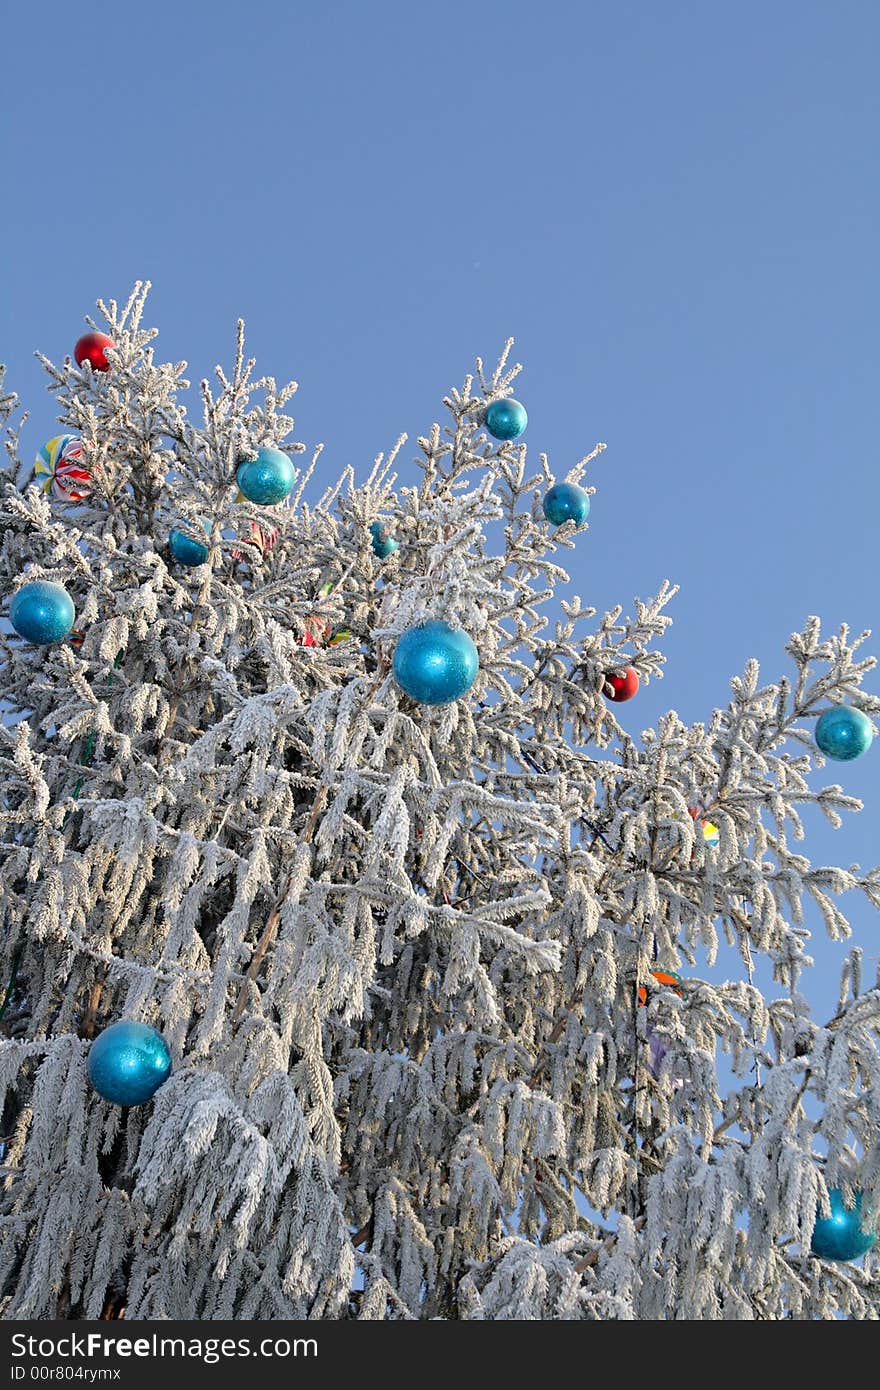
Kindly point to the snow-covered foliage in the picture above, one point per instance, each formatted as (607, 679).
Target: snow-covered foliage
(396, 950)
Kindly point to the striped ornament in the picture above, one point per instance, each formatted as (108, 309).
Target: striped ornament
(62, 470)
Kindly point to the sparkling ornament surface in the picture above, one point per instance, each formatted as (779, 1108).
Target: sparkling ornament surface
(506, 419)
(566, 502)
(435, 663)
(128, 1062)
(843, 733)
(621, 685)
(61, 469)
(266, 479)
(187, 551)
(383, 545)
(42, 612)
(840, 1236)
(91, 347)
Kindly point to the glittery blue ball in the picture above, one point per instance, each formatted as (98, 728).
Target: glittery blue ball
(268, 478)
(185, 550)
(435, 663)
(566, 502)
(42, 612)
(843, 733)
(128, 1062)
(840, 1236)
(382, 546)
(506, 419)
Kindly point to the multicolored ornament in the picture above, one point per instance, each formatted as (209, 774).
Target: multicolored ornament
(506, 419)
(187, 551)
(61, 467)
(843, 733)
(566, 502)
(77, 637)
(42, 612)
(840, 1235)
(92, 348)
(263, 537)
(621, 685)
(435, 664)
(711, 833)
(266, 479)
(663, 977)
(383, 543)
(128, 1062)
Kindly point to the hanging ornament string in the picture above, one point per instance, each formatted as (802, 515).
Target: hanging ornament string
(88, 754)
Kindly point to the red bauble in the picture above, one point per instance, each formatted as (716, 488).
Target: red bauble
(92, 348)
(621, 685)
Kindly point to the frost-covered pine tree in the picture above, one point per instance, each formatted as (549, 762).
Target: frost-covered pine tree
(429, 974)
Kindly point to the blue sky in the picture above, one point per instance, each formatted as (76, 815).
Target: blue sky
(673, 208)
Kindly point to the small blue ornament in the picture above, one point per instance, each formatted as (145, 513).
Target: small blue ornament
(266, 479)
(840, 1236)
(128, 1062)
(843, 733)
(185, 550)
(506, 419)
(435, 663)
(382, 546)
(566, 502)
(42, 612)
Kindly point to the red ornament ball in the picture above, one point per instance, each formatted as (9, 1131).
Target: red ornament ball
(91, 348)
(621, 685)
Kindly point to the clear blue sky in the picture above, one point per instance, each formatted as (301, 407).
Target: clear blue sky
(673, 207)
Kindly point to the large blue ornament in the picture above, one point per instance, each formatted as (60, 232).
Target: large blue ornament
(383, 546)
(843, 733)
(268, 478)
(435, 663)
(187, 551)
(128, 1062)
(840, 1235)
(42, 612)
(566, 502)
(506, 419)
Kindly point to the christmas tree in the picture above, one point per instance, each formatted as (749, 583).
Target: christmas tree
(355, 956)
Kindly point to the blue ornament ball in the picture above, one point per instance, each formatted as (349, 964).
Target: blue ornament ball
(506, 419)
(383, 546)
(843, 733)
(435, 663)
(128, 1062)
(840, 1235)
(566, 502)
(42, 612)
(187, 551)
(266, 479)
